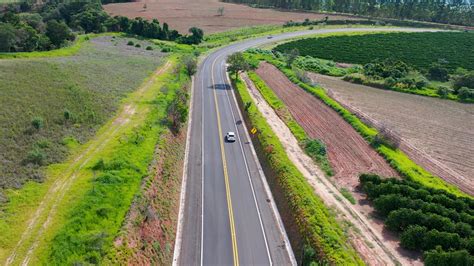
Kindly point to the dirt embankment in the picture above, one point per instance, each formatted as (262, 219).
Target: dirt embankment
(184, 14)
(348, 153)
(150, 228)
(437, 134)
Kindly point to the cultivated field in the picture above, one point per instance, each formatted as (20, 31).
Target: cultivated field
(438, 133)
(48, 105)
(456, 49)
(183, 14)
(348, 153)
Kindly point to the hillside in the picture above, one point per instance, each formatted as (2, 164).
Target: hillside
(51, 104)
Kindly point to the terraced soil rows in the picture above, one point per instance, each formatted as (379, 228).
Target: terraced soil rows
(437, 134)
(348, 153)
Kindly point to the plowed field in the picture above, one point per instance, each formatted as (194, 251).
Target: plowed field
(437, 134)
(183, 14)
(349, 154)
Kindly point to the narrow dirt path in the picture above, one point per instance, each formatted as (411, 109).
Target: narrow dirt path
(43, 216)
(366, 238)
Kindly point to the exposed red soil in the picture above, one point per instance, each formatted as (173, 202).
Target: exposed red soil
(184, 14)
(150, 228)
(436, 134)
(348, 153)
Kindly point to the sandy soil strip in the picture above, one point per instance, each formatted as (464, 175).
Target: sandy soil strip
(370, 241)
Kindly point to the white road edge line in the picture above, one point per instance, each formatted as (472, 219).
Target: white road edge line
(182, 197)
(246, 167)
(202, 170)
(274, 208)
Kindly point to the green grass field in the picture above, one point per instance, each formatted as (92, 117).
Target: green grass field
(416, 49)
(68, 97)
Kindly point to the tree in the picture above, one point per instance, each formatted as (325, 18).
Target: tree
(191, 65)
(412, 238)
(436, 238)
(442, 92)
(438, 257)
(7, 37)
(291, 56)
(220, 11)
(466, 80)
(400, 219)
(237, 63)
(58, 32)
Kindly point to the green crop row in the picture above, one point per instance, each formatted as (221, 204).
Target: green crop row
(316, 224)
(395, 157)
(415, 49)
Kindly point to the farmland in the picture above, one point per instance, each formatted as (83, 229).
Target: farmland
(446, 136)
(183, 14)
(415, 49)
(51, 104)
(348, 158)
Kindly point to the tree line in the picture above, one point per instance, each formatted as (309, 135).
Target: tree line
(26, 27)
(448, 12)
(434, 221)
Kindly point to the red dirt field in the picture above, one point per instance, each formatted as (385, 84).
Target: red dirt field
(349, 154)
(436, 134)
(184, 14)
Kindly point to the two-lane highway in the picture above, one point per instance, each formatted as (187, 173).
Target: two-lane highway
(227, 215)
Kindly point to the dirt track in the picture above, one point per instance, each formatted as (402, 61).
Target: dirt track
(437, 133)
(348, 153)
(184, 14)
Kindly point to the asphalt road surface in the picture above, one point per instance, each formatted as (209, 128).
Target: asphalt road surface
(228, 218)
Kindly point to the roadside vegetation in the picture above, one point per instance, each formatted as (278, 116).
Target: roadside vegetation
(408, 62)
(381, 142)
(325, 239)
(433, 221)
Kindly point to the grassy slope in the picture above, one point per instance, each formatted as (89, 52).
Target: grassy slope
(96, 201)
(397, 159)
(89, 85)
(314, 220)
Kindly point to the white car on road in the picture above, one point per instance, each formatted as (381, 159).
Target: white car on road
(230, 136)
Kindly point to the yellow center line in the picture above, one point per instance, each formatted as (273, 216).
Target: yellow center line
(226, 176)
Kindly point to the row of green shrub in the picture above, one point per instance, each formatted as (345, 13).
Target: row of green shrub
(92, 225)
(316, 224)
(415, 49)
(395, 157)
(313, 147)
(425, 218)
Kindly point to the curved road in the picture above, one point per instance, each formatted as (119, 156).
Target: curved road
(227, 216)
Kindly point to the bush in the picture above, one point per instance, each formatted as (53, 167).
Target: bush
(165, 50)
(149, 48)
(413, 237)
(190, 64)
(443, 92)
(465, 93)
(438, 72)
(316, 149)
(138, 45)
(466, 80)
(36, 157)
(37, 123)
(131, 43)
(439, 257)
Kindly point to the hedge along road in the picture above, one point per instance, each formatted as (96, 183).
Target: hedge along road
(225, 217)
